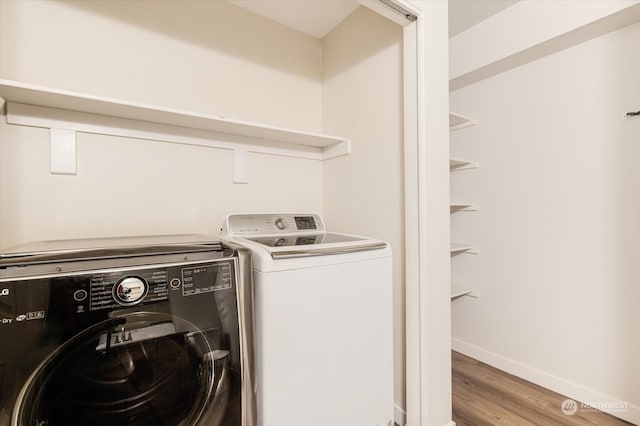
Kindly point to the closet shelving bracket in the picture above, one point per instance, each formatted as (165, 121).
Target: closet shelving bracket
(458, 291)
(458, 248)
(462, 207)
(460, 164)
(457, 121)
(67, 113)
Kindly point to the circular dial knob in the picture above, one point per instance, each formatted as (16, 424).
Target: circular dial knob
(129, 290)
(280, 223)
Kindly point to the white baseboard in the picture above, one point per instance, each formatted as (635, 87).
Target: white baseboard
(557, 384)
(401, 417)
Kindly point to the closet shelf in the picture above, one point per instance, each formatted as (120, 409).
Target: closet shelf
(458, 291)
(460, 164)
(38, 106)
(457, 248)
(462, 207)
(457, 121)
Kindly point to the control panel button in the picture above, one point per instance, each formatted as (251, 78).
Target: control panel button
(129, 290)
(80, 295)
(175, 283)
(280, 223)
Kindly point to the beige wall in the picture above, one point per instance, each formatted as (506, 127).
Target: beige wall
(208, 57)
(362, 100)
(135, 187)
(557, 228)
(203, 56)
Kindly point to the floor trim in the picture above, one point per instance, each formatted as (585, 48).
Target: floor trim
(549, 381)
(400, 417)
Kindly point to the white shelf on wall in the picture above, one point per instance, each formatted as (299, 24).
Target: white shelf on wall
(457, 121)
(458, 291)
(462, 207)
(457, 248)
(38, 106)
(460, 164)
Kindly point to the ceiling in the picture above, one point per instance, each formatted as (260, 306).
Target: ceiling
(313, 17)
(464, 14)
(318, 17)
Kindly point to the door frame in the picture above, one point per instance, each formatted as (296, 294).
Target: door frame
(427, 214)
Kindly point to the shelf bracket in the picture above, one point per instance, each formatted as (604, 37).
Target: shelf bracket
(63, 151)
(473, 293)
(462, 208)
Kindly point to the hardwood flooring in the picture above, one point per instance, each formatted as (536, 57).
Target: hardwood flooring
(484, 395)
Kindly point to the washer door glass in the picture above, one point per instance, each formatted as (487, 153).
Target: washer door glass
(135, 369)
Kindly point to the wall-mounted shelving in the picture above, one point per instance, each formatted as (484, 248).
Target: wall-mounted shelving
(462, 207)
(70, 112)
(460, 164)
(456, 122)
(458, 291)
(457, 248)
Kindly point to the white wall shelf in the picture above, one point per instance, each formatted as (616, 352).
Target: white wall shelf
(37, 106)
(458, 291)
(460, 164)
(457, 121)
(457, 248)
(462, 207)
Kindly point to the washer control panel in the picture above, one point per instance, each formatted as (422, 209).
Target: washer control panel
(184, 285)
(259, 224)
(114, 289)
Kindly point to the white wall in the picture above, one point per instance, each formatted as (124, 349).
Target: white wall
(529, 30)
(204, 56)
(135, 187)
(559, 194)
(208, 57)
(362, 100)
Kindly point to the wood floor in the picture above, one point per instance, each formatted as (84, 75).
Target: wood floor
(483, 395)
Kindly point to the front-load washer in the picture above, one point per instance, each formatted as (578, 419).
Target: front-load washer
(135, 331)
(323, 304)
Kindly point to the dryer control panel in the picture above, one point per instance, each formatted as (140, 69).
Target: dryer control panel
(276, 223)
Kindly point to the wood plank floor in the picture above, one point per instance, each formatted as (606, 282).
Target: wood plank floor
(484, 395)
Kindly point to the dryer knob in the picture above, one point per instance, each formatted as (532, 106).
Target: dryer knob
(280, 223)
(129, 290)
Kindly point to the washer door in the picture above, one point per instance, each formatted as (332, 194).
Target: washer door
(134, 369)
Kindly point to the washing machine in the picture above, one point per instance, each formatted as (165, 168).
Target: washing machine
(324, 327)
(133, 331)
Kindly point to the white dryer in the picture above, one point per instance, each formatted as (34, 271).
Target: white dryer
(324, 324)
